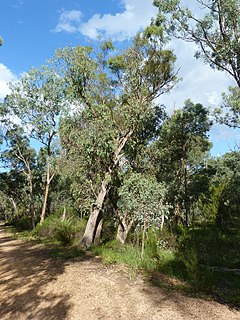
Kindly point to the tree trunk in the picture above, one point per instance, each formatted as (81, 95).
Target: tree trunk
(14, 205)
(31, 204)
(48, 181)
(93, 221)
(143, 237)
(44, 203)
(63, 217)
(162, 222)
(123, 230)
(98, 232)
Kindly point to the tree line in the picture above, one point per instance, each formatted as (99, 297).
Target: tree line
(86, 133)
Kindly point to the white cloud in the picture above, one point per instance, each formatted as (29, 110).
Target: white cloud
(202, 85)
(199, 82)
(6, 76)
(69, 21)
(120, 26)
(123, 25)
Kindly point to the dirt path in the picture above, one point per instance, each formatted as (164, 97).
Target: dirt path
(38, 287)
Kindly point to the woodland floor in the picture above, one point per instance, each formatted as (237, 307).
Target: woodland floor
(38, 286)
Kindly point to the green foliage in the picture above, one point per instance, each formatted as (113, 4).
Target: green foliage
(177, 156)
(143, 199)
(128, 255)
(65, 232)
(21, 222)
(229, 112)
(48, 228)
(216, 32)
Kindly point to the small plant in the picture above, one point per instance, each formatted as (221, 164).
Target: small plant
(66, 231)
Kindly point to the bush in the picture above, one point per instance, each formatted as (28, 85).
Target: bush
(48, 228)
(21, 223)
(53, 229)
(66, 231)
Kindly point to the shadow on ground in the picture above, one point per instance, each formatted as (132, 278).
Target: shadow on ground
(25, 272)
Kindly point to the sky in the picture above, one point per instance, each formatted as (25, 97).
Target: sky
(33, 29)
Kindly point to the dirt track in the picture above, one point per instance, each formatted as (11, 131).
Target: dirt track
(36, 286)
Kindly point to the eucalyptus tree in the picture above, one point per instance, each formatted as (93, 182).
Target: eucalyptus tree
(20, 157)
(215, 28)
(177, 154)
(142, 203)
(37, 101)
(225, 186)
(229, 111)
(115, 94)
(216, 31)
(12, 187)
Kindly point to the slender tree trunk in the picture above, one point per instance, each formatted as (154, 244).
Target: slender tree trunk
(63, 217)
(186, 200)
(46, 193)
(14, 205)
(162, 222)
(29, 175)
(44, 203)
(92, 224)
(143, 237)
(31, 205)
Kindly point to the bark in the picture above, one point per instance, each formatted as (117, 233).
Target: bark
(123, 230)
(29, 175)
(93, 221)
(63, 217)
(31, 205)
(162, 222)
(46, 193)
(44, 203)
(97, 238)
(143, 237)
(14, 205)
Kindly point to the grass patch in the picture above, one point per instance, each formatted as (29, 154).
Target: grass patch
(188, 266)
(65, 232)
(61, 238)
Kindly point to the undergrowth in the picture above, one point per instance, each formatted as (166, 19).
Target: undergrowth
(188, 265)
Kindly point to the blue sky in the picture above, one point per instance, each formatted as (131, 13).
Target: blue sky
(33, 29)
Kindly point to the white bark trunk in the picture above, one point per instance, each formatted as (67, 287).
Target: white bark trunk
(92, 224)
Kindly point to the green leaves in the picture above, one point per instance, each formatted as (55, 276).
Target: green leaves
(229, 113)
(142, 198)
(216, 33)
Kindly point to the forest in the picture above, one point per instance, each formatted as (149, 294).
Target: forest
(92, 160)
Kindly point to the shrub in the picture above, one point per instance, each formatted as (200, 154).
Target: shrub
(20, 222)
(65, 232)
(48, 228)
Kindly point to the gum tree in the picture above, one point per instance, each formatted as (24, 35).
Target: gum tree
(216, 33)
(178, 152)
(142, 202)
(36, 102)
(20, 157)
(115, 94)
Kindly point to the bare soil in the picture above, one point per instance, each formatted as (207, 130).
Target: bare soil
(35, 285)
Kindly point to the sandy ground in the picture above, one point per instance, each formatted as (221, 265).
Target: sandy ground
(36, 286)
